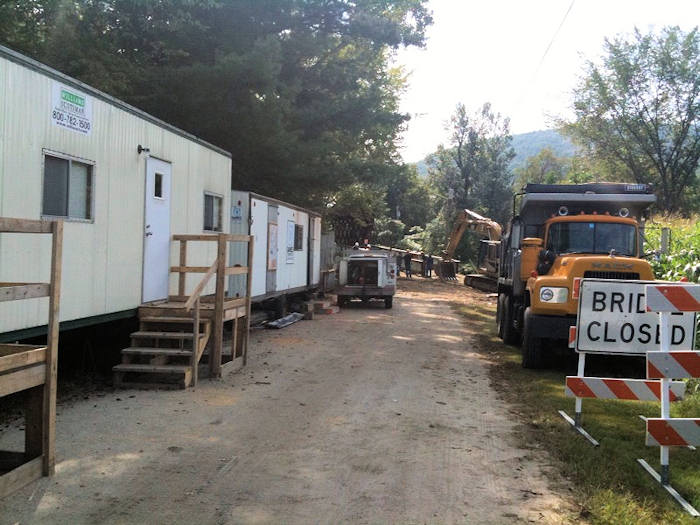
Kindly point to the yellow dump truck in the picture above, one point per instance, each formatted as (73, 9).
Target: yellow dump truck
(561, 234)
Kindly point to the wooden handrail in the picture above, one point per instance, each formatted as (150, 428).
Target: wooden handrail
(200, 287)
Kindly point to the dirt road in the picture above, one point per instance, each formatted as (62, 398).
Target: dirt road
(367, 416)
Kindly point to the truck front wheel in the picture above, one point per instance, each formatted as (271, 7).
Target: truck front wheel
(532, 346)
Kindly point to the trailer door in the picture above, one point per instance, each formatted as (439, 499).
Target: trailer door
(258, 228)
(156, 243)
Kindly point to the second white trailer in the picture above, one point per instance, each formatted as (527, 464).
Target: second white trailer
(287, 247)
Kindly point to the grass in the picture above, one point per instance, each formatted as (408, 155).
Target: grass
(608, 483)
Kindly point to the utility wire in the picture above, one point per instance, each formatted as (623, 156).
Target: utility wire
(544, 55)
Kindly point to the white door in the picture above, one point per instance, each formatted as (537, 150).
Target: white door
(259, 228)
(156, 244)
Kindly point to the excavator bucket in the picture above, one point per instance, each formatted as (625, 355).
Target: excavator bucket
(446, 270)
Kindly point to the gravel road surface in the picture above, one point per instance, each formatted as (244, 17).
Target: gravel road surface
(366, 416)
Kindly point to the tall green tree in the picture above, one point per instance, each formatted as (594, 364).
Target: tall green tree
(638, 110)
(300, 91)
(471, 172)
(474, 168)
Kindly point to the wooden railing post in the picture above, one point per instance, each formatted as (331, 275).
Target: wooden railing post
(194, 360)
(249, 291)
(183, 262)
(49, 412)
(217, 351)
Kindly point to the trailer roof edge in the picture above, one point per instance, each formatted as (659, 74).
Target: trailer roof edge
(37, 66)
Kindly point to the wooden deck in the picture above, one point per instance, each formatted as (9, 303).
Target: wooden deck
(32, 369)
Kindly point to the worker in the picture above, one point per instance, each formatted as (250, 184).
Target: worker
(407, 262)
(399, 258)
(429, 265)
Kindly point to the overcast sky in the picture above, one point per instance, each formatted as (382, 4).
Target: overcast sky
(492, 50)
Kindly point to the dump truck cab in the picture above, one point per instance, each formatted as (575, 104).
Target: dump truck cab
(562, 234)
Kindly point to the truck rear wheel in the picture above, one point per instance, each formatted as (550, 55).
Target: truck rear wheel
(532, 346)
(506, 330)
(342, 300)
(388, 302)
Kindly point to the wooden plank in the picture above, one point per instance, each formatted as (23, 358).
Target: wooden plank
(249, 290)
(166, 319)
(195, 344)
(49, 413)
(239, 238)
(202, 237)
(170, 352)
(25, 355)
(24, 226)
(182, 299)
(21, 476)
(218, 346)
(161, 335)
(236, 270)
(235, 302)
(156, 369)
(22, 379)
(189, 269)
(182, 279)
(18, 291)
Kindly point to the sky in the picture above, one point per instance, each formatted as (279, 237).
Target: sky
(496, 51)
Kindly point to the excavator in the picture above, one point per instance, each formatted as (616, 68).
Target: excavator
(489, 249)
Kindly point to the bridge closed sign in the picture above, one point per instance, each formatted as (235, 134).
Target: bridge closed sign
(612, 319)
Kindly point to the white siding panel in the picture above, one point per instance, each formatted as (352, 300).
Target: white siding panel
(102, 263)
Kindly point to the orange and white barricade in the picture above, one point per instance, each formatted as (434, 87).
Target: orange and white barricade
(665, 365)
(612, 321)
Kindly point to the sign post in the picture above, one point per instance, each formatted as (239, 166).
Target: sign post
(613, 320)
(665, 365)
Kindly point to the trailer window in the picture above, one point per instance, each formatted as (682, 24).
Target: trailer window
(592, 237)
(298, 237)
(212, 212)
(67, 188)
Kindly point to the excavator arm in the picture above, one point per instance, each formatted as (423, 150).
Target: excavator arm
(470, 220)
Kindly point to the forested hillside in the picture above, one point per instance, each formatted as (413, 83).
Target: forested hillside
(527, 145)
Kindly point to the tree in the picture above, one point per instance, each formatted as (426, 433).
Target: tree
(473, 172)
(543, 168)
(638, 110)
(299, 91)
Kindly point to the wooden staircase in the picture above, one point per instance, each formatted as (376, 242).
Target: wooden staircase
(161, 352)
(173, 333)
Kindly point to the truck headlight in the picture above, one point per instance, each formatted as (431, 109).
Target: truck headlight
(552, 294)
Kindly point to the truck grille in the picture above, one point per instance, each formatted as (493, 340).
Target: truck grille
(626, 276)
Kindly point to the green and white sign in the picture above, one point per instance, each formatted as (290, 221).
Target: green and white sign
(71, 109)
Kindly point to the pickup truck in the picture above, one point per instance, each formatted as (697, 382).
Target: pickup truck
(365, 275)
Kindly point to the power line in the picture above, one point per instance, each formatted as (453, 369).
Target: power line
(544, 55)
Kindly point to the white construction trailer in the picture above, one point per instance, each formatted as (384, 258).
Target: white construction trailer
(123, 182)
(287, 246)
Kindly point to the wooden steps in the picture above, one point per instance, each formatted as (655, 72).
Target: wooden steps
(182, 374)
(162, 351)
(163, 335)
(170, 352)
